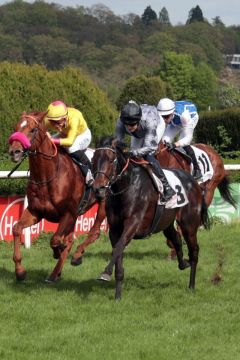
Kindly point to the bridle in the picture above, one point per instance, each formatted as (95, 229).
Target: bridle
(28, 152)
(40, 140)
(114, 177)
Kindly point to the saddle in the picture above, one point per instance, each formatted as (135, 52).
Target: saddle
(183, 153)
(153, 176)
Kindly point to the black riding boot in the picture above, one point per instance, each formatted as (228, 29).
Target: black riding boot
(168, 192)
(85, 163)
(196, 169)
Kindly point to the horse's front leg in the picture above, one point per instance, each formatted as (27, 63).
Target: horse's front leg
(27, 219)
(119, 244)
(56, 273)
(92, 236)
(61, 243)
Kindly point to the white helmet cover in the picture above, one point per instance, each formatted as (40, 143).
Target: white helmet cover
(166, 106)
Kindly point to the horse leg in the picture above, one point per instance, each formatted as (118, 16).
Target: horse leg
(27, 219)
(56, 273)
(107, 272)
(176, 241)
(208, 194)
(193, 251)
(62, 249)
(92, 236)
(65, 226)
(119, 276)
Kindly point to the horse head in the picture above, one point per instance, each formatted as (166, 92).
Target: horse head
(29, 133)
(104, 165)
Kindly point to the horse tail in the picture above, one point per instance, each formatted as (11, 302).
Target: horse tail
(225, 191)
(205, 219)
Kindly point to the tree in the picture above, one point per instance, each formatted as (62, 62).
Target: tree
(217, 21)
(228, 96)
(144, 90)
(148, 16)
(195, 15)
(205, 84)
(164, 17)
(177, 70)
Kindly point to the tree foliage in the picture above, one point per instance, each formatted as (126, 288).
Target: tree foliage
(144, 90)
(195, 15)
(148, 16)
(28, 88)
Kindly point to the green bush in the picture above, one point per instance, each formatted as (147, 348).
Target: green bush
(221, 129)
(28, 88)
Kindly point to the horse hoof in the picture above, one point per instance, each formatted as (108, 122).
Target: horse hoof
(104, 277)
(51, 281)
(21, 276)
(184, 265)
(76, 262)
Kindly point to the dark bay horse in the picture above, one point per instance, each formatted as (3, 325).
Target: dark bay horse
(131, 203)
(55, 189)
(175, 159)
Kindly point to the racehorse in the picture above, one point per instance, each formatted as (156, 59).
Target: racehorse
(133, 213)
(177, 160)
(55, 189)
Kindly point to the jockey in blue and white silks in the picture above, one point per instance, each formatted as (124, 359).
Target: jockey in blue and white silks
(181, 118)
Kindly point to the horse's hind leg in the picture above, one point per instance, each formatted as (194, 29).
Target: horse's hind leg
(193, 251)
(176, 241)
(27, 219)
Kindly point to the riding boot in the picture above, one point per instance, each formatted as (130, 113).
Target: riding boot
(85, 164)
(196, 169)
(168, 192)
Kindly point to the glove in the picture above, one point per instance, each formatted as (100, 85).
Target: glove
(170, 147)
(128, 154)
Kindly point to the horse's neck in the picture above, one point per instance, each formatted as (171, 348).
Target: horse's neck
(42, 163)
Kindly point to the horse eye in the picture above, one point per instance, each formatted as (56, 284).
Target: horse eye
(32, 131)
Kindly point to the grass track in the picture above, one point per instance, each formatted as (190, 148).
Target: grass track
(158, 317)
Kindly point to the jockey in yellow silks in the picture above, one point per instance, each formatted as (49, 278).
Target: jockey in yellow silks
(72, 133)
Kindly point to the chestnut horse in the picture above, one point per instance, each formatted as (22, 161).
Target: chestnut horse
(55, 189)
(175, 159)
(133, 213)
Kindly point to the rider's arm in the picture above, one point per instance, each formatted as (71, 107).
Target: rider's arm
(120, 131)
(73, 131)
(150, 142)
(188, 122)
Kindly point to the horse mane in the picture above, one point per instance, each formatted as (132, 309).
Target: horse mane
(110, 141)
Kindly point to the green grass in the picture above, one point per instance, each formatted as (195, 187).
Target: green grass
(157, 318)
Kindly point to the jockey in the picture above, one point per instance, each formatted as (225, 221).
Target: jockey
(73, 133)
(146, 128)
(181, 118)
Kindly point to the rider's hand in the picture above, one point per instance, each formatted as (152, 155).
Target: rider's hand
(128, 154)
(55, 141)
(170, 146)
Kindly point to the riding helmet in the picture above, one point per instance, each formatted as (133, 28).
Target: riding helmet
(166, 106)
(131, 113)
(56, 111)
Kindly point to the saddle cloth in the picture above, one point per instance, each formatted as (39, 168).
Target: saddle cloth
(180, 199)
(204, 164)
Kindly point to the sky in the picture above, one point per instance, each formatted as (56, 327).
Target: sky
(227, 10)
